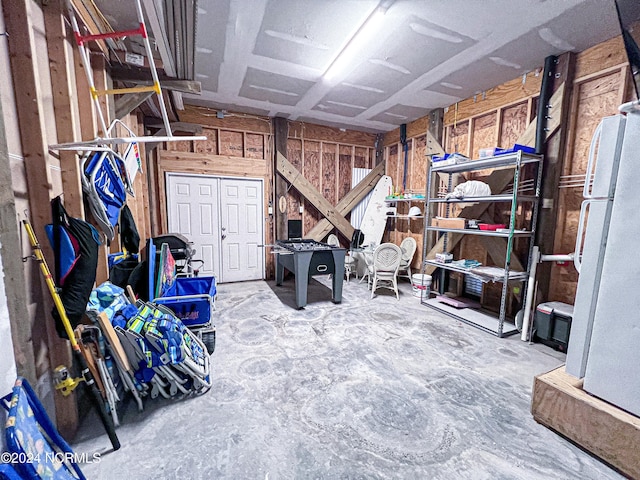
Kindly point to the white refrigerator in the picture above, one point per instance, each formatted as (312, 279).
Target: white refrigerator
(604, 345)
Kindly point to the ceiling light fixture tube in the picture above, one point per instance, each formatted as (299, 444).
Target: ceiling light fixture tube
(356, 44)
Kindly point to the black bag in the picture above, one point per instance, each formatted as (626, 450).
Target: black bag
(78, 283)
(129, 235)
(357, 239)
(119, 273)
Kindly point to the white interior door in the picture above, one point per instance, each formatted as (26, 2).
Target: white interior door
(193, 210)
(242, 229)
(223, 217)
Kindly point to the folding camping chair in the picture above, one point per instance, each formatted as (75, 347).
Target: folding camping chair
(31, 434)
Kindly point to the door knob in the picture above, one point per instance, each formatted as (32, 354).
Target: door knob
(223, 236)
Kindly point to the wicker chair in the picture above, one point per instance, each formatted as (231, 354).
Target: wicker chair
(350, 263)
(386, 261)
(408, 247)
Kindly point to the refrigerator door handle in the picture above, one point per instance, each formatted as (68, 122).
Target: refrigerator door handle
(577, 257)
(586, 193)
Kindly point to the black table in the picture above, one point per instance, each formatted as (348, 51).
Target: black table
(307, 258)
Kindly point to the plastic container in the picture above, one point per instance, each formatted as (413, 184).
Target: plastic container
(420, 283)
(516, 147)
(492, 227)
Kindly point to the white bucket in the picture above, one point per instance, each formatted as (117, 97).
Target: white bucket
(420, 283)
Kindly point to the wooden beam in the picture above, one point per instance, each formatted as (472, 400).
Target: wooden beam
(142, 76)
(560, 403)
(295, 178)
(555, 156)
(205, 163)
(125, 104)
(236, 122)
(31, 120)
(348, 203)
(62, 71)
(13, 268)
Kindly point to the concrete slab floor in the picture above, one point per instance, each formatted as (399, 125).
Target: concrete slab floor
(365, 389)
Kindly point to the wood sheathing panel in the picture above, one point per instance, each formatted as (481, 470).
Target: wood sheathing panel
(231, 143)
(458, 138)
(329, 171)
(328, 158)
(210, 145)
(361, 158)
(484, 133)
(254, 145)
(514, 122)
(392, 163)
(344, 170)
(596, 98)
(311, 171)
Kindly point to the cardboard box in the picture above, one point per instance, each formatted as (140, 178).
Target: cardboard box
(449, 222)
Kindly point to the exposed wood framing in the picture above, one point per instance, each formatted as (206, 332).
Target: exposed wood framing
(10, 256)
(62, 85)
(501, 96)
(125, 104)
(499, 179)
(29, 103)
(306, 188)
(348, 203)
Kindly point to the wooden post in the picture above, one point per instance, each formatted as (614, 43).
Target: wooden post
(31, 120)
(62, 85)
(281, 132)
(552, 170)
(14, 282)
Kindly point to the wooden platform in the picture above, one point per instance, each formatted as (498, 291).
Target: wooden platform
(560, 403)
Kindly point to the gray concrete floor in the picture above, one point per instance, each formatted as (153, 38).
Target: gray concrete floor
(365, 389)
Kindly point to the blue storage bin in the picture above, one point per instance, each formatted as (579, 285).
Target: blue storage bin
(516, 147)
(191, 299)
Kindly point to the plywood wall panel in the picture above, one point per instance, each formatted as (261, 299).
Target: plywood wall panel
(210, 145)
(360, 159)
(418, 177)
(484, 133)
(180, 146)
(458, 138)
(254, 147)
(329, 172)
(344, 171)
(231, 143)
(514, 123)
(311, 171)
(599, 57)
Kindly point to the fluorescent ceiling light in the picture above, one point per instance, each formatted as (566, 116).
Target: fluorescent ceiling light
(355, 45)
